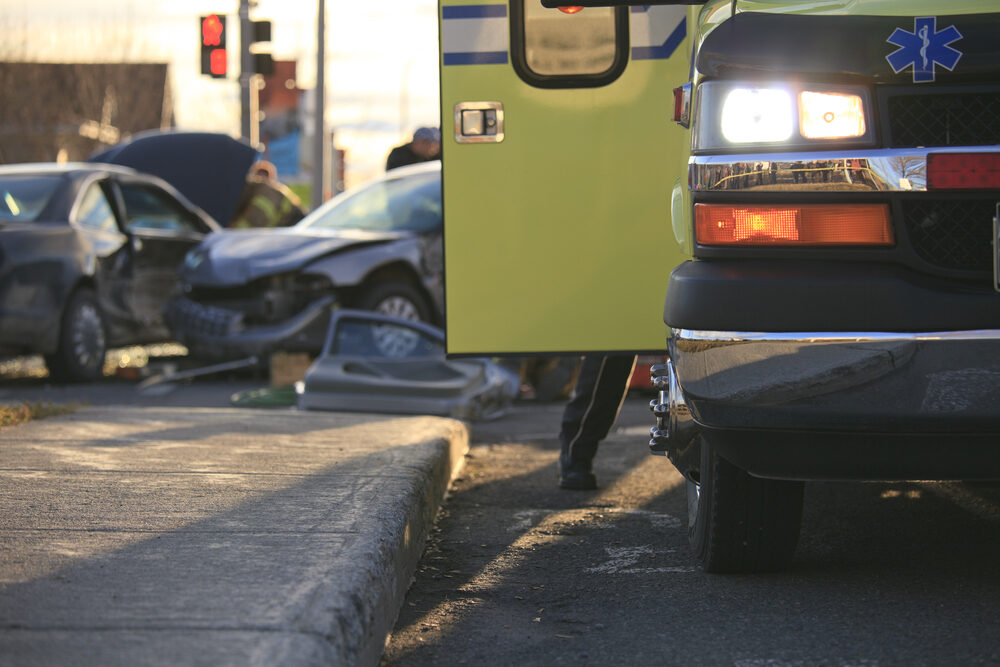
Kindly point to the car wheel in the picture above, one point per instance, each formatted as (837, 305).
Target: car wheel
(82, 345)
(738, 522)
(397, 299)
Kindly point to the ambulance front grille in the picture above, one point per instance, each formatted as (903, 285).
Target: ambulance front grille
(954, 235)
(964, 118)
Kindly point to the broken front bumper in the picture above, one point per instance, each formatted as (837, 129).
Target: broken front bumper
(218, 333)
(839, 405)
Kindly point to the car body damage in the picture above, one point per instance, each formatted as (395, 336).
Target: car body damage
(88, 258)
(251, 292)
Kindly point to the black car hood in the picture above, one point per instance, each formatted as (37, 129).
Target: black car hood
(209, 169)
(236, 257)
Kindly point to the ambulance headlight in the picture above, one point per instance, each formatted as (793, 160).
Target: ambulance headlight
(757, 115)
(831, 115)
(734, 115)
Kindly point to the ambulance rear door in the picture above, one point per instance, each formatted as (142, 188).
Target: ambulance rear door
(560, 158)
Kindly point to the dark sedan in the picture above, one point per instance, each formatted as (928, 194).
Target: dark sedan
(88, 257)
(251, 292)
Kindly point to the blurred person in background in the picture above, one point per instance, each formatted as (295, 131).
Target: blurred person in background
(426, 145)
(266, 201)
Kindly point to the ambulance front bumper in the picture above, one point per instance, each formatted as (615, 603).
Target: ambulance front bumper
(855, 405)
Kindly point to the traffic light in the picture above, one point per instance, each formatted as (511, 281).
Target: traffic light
(263, 62)
(213, 46)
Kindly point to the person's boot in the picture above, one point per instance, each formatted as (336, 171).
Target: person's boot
(576, 476)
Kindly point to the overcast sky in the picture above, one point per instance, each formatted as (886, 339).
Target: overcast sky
(381, 72)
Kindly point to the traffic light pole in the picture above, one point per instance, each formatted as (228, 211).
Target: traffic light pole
(246, 68)
(319, 129)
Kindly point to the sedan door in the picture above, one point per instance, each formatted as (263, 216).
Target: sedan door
(161, 230)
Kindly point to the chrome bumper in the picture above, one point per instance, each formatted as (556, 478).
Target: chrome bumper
(865, 170)
(833, 406)
(878, 381)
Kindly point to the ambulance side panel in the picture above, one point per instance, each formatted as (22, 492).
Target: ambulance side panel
(558, 237)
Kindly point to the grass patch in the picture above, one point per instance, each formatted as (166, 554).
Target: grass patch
(11, 415)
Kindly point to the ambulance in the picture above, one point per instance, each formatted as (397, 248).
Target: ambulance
(796, 201)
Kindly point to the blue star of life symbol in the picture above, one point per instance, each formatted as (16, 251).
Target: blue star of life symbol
(924, 48)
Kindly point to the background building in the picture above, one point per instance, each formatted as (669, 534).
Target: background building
(67, 111)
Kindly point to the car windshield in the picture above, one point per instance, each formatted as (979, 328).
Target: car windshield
(410, 203)
(23, 197)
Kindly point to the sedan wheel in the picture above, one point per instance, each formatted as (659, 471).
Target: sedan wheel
(738, 522)
(398, 306)
(82, 345)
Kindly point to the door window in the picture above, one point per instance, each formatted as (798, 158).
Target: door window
(94, 211)
(148, 208)
(553, 48)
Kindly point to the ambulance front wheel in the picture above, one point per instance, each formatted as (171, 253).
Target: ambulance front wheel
(738, 522)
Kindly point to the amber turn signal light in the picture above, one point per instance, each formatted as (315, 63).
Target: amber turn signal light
(795, 225)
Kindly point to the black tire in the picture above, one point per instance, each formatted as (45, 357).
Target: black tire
(741, 523)
(82, 342)
(396, 298)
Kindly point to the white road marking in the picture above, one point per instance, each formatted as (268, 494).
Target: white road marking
(625, 560)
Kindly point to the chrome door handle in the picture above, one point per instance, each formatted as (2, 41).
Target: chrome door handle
(479, 122)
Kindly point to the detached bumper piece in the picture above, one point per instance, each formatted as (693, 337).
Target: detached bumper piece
(219, 334)
(377, 363)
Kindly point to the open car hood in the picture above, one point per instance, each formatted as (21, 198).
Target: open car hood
(237, 257)
(209, 169)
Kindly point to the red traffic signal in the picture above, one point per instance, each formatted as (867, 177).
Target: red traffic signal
(213, 46)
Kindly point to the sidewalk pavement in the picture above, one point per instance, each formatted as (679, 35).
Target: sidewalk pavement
(214, 536)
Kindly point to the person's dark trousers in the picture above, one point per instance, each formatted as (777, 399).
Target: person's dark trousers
(590, 414)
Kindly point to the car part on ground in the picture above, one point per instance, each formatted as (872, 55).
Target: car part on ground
(161, 382)
(378, 363)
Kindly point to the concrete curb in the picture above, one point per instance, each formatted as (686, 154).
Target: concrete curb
(214, 536)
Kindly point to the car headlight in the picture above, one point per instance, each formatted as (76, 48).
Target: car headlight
(735, 115)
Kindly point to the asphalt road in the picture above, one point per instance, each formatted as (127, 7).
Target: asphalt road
(519, 572)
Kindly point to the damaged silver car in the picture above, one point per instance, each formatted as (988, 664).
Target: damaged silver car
(378, 248)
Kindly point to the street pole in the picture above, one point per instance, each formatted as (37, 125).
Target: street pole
(319, 130)
(246, 67)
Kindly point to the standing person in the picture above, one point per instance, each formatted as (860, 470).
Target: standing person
(426, 145)
(589, 415)
(266, 201)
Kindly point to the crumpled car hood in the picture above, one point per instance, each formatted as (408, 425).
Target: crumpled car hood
(236, 257)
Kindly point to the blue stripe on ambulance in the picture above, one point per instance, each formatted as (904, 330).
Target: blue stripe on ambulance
(474, 35)
(656, 31)
(477, 34)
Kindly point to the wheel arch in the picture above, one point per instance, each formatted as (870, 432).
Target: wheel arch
(398, 271)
